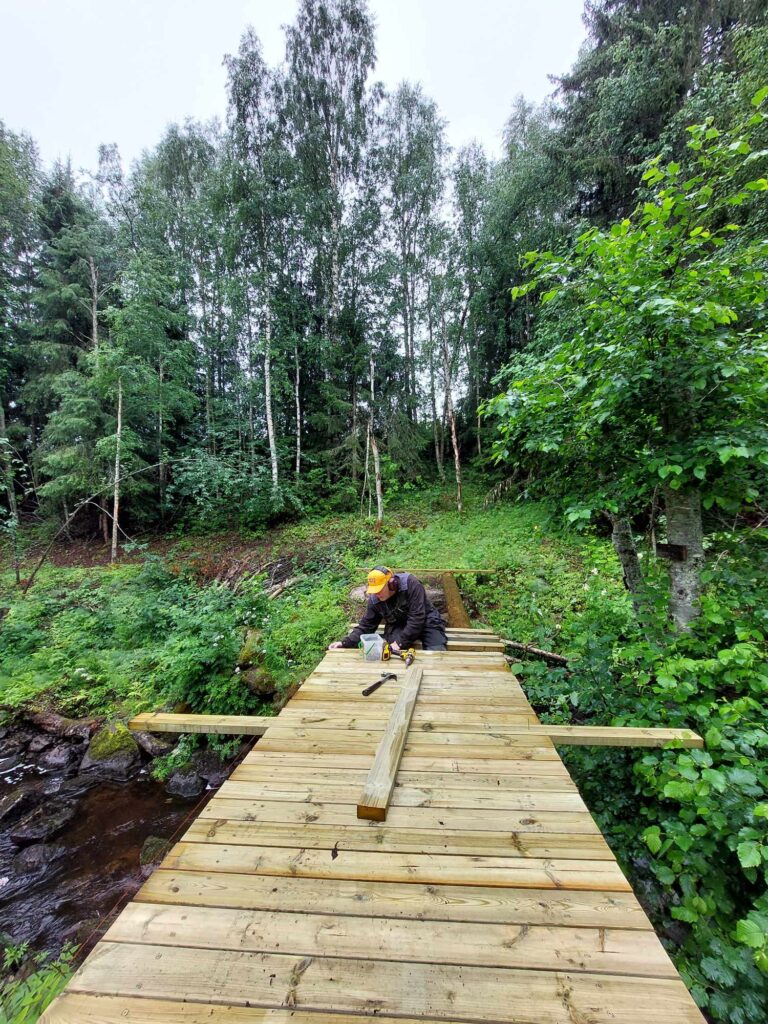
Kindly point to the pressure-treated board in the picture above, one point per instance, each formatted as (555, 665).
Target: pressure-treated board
(488, 895)
(222, 725)
(374, 799)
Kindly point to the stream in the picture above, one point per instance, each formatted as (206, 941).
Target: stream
(62, 875)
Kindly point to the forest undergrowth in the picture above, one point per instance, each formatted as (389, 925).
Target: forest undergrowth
(688, 827)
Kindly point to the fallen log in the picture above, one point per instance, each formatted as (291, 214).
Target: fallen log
(555, 659)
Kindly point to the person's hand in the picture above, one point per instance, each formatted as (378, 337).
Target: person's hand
(395, 646)
(335, 645)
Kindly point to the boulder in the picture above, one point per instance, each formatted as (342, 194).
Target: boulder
(112, 753)
(39, 743)
(210, 767)
(57, 758)
(154, 744)
(185, 782)
(35, 858)
(153, 850)
(13, 805)
(64, 728)
(42, 823)
(250, 652)
(259, 681)
(56, 786)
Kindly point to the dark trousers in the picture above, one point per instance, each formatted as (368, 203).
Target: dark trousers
(432, 637)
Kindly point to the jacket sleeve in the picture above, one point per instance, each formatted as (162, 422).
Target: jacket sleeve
(369, 623)
(417, 613)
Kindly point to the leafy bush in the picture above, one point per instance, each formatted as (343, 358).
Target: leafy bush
(24, 998)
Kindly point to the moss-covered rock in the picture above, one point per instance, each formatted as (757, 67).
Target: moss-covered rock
(250, 652)
(153, 850)
(113, 752)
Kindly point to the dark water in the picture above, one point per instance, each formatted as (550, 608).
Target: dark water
(71, 898)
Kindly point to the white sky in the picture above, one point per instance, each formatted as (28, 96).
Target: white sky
(77, 73)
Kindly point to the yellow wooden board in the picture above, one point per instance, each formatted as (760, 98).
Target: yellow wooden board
(488, 895)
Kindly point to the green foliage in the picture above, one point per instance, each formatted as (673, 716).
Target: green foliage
(125, 639)
(23, 999)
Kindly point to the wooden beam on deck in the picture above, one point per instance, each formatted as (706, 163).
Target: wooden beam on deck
(374, 799)
(607, 736)
(219, 725)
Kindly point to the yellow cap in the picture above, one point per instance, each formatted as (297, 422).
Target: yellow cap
(378, 578)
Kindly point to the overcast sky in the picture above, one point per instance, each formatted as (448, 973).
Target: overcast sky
(76, 73)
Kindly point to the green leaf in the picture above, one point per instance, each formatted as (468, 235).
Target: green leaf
(652, 838)
(749, 854)
(760, 96)
(750, 933)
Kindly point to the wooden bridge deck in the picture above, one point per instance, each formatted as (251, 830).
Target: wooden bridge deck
(488, 895)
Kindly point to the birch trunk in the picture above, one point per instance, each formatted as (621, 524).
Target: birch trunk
(684, 526)
(452, 423)
(268, 401)
(435, 422)
(94, 275)
(297, 395)
(377, 477)
(116, 495)
(10, 490)
(162, 469)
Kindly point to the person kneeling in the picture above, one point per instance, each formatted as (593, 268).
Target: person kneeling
(400, 601)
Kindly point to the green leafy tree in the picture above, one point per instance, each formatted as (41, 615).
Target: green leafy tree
(650, 375)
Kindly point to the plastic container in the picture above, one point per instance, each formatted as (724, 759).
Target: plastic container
(373, 646)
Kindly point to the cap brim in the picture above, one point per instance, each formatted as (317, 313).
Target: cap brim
(377, 590)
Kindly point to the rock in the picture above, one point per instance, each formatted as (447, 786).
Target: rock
(19, 802)
(210, 767)
(153, 850)
(43, 823)
(64, 728)
(259, 681)
(39, 743)
(69, 787)
(185, 782)
(250, 649)
(35, 858)
(154, 744)
(6, 763)
(112, 753)
(59, 757)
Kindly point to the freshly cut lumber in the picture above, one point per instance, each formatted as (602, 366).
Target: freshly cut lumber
(262, 770)
(457, 613)
(427, 763)
(608, 736)
(220, 725)
(464, 819)
(478, 843)
(87, 1008)
(601, 951)
(367, 865)
(486, 995)
(241, 788)
(372, 899)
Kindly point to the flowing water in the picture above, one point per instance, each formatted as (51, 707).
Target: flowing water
(98, 866)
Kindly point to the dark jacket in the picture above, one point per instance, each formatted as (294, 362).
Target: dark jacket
(404, 614)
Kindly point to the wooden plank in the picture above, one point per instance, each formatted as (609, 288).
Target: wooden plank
(220, 725)
(375, 716)
(502, 725)
(458, 819)
(424, 763)
(457, 613)
(596, 950)
(472, 994)
(85, 1008)
(262, 770)
(610, 736)
(371, 899)
(240, 788)
(519, 872)
(360, 836)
